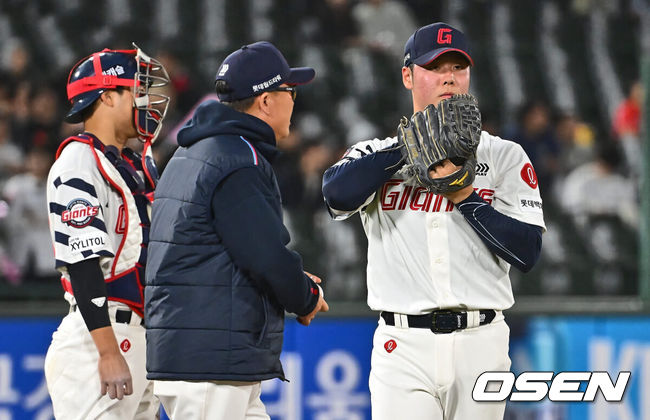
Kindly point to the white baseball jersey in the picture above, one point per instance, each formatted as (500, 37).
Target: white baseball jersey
(89, 218)
(93, 214)
(423, 255)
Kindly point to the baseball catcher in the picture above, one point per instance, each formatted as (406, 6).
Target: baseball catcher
(452, 131)
(99, 196)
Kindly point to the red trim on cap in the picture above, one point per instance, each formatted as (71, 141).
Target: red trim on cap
(106, 82)
(471, 62)
(98, 80)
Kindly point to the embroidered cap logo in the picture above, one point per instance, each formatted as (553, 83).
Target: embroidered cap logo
(444, 36)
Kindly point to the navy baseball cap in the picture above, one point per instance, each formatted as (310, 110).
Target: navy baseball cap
(431, 41)
(257, 68)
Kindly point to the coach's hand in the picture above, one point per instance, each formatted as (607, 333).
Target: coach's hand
(313, 277)
(321, 306)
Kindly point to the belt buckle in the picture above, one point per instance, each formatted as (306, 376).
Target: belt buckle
(444, 322)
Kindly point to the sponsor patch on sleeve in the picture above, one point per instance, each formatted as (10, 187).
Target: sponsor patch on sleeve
(90, 242)
(79, 213)
(529, 176)
(530, 204)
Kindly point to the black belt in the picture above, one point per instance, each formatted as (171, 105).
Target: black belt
(122, 316)
(443, 321)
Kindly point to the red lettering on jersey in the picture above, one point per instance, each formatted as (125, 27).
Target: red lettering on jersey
(405, 197)
(437, 204)
(125, 345)
(120, 226)
(426, 203)
(529, 176)
(450, 206)
(416, 198)
(444, 37)
(390, 345)
(389, 201)
(486, 195)
(79, 213)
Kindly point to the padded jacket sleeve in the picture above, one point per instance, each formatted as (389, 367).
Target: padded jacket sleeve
(252, 230)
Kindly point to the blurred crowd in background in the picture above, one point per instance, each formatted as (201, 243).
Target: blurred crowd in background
(548, 75)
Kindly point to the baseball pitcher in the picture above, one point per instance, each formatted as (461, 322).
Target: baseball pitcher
(447, 209)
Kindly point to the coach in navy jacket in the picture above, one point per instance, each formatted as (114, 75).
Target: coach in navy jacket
(219, 275)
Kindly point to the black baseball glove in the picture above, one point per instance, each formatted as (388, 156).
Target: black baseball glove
(450, 131)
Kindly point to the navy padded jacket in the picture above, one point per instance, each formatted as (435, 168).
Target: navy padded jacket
(219, 276)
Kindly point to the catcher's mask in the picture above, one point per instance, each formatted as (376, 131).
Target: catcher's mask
(108, 69)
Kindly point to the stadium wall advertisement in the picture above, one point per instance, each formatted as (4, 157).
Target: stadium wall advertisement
(328, 365)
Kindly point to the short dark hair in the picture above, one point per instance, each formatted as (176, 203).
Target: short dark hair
(241, 105)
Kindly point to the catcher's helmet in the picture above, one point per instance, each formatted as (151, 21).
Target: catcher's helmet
(109, 69)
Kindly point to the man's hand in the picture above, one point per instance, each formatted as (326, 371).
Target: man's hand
(314, 277)
(321, 306)
(115, 376)
(446, 168)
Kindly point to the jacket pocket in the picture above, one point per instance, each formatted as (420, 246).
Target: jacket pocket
(265, 310)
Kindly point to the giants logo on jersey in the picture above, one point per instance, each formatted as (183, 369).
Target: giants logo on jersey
(418, 198)
(79, 213)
